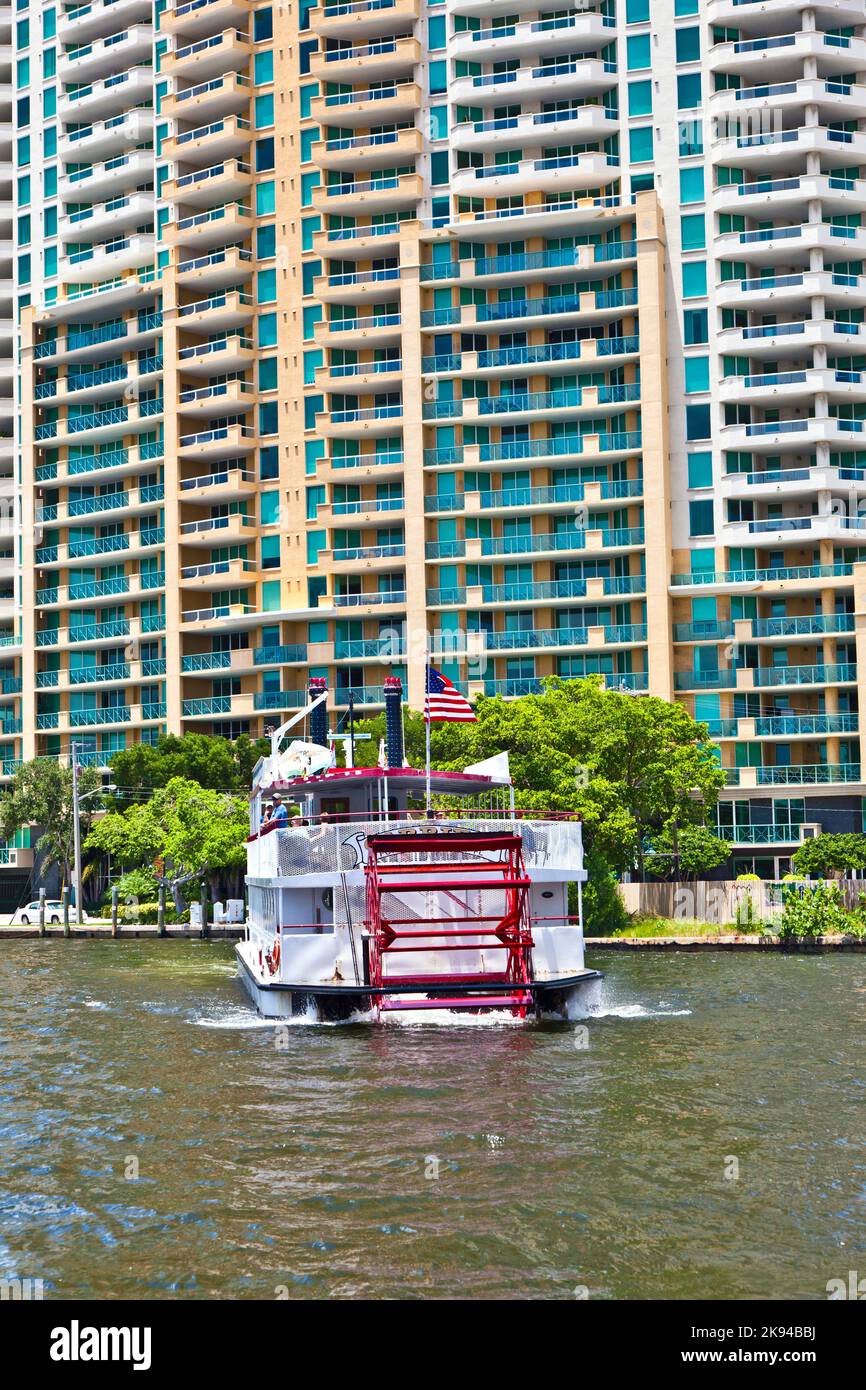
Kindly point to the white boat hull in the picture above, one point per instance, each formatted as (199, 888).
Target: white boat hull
(565, 1000)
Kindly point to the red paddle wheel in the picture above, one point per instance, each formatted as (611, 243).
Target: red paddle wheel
(444, 869)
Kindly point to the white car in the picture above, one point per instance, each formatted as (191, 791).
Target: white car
(29, 913)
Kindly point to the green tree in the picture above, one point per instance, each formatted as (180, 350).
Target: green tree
(695, 852)
(40, 794)
(190, 831)
(211, 762)
(631, 765)
(829, 856)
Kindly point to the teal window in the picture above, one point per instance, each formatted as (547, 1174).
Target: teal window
(23, 155)
(637, 11)
(263, 72)
(697, 422)
(693, 231)
(694, 279)
(689, 45)
(439, 171)
(307, 94)
(308, 139)
(267, 373)
(438, 77)
(640, 98)
(265, 198)
(49, 141)
(22, 72)
(267, 330)
(270, 550)
(692, 185)
(308, 183)
(684, 7)
(49, 62)
(309, 227)
(637, 47)
(438, 122)
(688, 90)
(49, 181)
(50, 261)
(270, 508)
(23, 190)
(701, 518)
(312, 316)
(696, 326)
(266, 286)
(697, 374)
(268, 418)
(640, 144)
(22, 33)
(24, 229)
(49, 24)
(49, 102)
(271, 598)
(24, 269)
(264, 109)
(436, 31)
(701, 469)
(312, 359)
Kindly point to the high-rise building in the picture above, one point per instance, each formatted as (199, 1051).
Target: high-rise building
(529, 338)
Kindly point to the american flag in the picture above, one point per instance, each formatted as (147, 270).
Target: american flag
(443, 700)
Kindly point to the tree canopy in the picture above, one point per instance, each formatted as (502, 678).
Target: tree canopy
(189, 831)
(210, 761)
(829, 856)
(694, 851)
(631, 765)
(40, 793)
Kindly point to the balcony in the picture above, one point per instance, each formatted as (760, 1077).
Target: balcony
(219, 183)
(207, 101)
(562, 33)
(223, 312)
(106, 220)
(368, 151)
(786, 197)
(102, 139)
(232, 222)
(579, 123)
(97, 101)
(540, 81)
(387, 104)
(579, 171)
(379, 193)
(227, 138)
(99, 58)
(215, 271)
(358, 18)
(109, 258)
(81, 23)
(108, 179)
(228, 51)
(192, 18)
(373, 60)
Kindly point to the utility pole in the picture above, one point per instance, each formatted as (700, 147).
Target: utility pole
(76, 831)
(350, 747)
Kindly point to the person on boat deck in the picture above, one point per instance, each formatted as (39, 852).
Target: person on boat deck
(279, 814)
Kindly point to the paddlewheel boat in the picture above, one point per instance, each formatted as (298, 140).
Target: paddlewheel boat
(367, 902)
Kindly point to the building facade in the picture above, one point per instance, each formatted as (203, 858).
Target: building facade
(532, 339)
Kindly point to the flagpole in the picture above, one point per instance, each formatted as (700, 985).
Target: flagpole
(427, 728)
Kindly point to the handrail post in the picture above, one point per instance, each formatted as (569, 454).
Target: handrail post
(41, 911)
(115, 911)
(64, 898)
(160, 910)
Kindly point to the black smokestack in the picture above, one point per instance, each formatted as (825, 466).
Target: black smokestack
(393, 721)
(319, 716)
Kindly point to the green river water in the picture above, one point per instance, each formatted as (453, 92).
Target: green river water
(702, 1139)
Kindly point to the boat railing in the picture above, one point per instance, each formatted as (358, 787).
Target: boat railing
(329, 847)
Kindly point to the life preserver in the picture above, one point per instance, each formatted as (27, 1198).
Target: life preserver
(273, 957)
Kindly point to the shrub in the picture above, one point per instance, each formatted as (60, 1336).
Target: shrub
(814, 911)
(144, 913)
(603, 909)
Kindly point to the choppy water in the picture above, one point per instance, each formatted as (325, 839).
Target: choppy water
(463, 1161)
